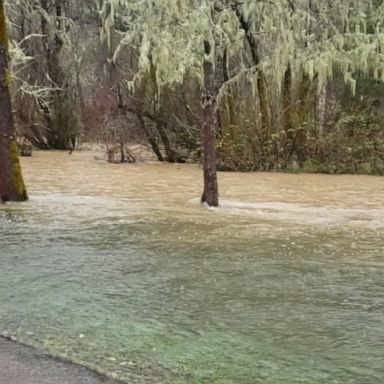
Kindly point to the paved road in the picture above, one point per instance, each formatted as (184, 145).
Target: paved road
(20, 364)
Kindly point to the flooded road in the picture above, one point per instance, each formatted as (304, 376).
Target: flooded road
(118, 267)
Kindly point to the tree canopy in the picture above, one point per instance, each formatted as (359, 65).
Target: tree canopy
(312, 36)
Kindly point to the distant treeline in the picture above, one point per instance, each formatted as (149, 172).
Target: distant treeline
(70, 88)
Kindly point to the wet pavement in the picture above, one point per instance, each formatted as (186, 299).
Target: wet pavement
(20, 364)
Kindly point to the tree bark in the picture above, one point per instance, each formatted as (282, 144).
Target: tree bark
(303, 120)
(171, 156)
(208, 129)
(12, 186)
(287, 115)
(152, 141)
(230, 96)
(59, 115)
(262, 84)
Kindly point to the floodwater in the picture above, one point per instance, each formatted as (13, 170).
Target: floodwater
(119, 268)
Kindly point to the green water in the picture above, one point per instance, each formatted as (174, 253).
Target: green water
(157, 292)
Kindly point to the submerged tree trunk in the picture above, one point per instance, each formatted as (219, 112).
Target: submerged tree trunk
(11, 181)
(208, 129)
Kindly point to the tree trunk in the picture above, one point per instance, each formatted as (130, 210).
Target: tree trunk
(262, 84)
(11, 181)
(208, 128)
(287, 116)
(152, 140)
(171, 156)
(230, 97)
(59, 113)
(303, 120)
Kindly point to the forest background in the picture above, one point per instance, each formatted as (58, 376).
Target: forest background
(75, 68)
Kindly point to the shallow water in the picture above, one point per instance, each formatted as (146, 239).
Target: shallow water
(119, 268)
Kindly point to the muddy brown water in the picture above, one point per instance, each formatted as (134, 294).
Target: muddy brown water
(119, 268)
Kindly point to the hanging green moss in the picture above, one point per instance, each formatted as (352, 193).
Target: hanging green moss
(311, 36)
(7, 81)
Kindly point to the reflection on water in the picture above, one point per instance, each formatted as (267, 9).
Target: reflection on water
(118, 267)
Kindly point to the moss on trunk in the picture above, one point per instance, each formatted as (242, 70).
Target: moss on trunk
(17, 176)
(11, 181)
(3, 29)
